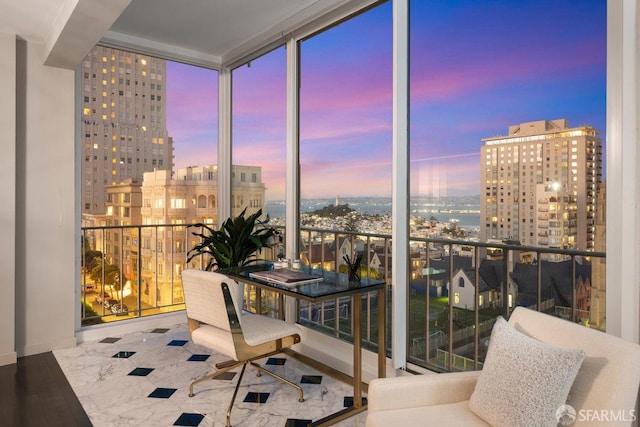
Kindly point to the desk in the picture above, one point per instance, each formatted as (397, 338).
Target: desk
(333, 286)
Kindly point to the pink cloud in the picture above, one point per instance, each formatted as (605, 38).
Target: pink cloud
(447, 78)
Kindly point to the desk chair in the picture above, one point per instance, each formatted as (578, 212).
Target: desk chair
(216, 321)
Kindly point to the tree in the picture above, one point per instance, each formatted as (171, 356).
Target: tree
(91, 259)
(110, 273)
(353, 224)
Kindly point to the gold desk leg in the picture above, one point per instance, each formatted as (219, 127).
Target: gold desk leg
(258, 300)
(281, 307)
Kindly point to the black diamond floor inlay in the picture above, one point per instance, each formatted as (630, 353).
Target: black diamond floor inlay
(188, 419)
(124, 354)
(226, 376)
(311, 379)
(276, 361)
(348, 401)
(295, 422)
(149, 366)
(162, 393)
(141, 372)
(253, 397)
(198, 357)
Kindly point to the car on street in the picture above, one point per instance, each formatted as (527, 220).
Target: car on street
(109, 303)
(118, 308)
(103, 297)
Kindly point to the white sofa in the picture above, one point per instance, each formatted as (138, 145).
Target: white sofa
(603, 394)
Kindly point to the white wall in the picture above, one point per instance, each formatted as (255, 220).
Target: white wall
(44, 208)
(7, 197)
(39, 226)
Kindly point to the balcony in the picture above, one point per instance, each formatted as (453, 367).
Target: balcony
(206, 212)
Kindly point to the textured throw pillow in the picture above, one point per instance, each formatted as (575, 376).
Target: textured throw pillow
(523, 381)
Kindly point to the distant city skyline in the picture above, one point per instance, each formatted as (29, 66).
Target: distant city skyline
(476, 68)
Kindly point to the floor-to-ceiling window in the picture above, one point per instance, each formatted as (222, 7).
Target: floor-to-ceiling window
(345, 154)
(258, 173)
(507, 122)
(481, 74)
(149, 144)
(259, 136)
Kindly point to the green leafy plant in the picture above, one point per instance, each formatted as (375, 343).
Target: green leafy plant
(234, 244)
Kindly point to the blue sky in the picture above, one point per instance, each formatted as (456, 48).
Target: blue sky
(476, 68)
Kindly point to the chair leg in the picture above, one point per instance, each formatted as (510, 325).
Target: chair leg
(227, 363)
(281, 379)
(213, 375)
(235, 393)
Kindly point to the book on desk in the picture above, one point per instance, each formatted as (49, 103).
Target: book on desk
(285, 277)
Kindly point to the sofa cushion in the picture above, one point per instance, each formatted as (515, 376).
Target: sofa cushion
(523, 381)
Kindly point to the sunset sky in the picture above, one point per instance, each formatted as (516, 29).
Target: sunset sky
(476, 68)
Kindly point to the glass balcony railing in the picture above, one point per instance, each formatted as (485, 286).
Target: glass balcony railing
(456, 288)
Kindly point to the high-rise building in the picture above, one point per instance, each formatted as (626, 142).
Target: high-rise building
(124, 132)
(540, 183)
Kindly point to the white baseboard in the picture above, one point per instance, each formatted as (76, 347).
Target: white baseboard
(123, 327)
(44, 347)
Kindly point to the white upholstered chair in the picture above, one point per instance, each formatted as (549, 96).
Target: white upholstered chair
(603, 393)
(216, 321)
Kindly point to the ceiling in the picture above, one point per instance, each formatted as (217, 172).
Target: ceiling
(211, 32)
(215, 29)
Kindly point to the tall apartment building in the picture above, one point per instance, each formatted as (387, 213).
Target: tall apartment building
(124, 132)
(540, 183)
(598, 297)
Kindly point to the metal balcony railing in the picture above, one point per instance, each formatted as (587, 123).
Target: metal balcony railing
(455, 288)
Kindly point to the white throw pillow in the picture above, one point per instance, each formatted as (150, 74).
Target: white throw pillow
(523, 381)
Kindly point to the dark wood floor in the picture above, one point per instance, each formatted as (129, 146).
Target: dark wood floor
(34, 392)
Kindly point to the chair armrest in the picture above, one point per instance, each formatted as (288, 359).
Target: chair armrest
(420, 390)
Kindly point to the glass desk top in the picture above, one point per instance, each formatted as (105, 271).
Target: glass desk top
(333, 285)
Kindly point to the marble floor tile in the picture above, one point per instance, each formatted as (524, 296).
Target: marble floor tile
(142, 379)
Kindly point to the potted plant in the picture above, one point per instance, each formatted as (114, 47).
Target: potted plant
(234, 244)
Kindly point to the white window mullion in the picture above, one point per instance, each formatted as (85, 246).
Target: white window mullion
(224, 144)
(292, 185)
(400, 209)
(623, 187)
